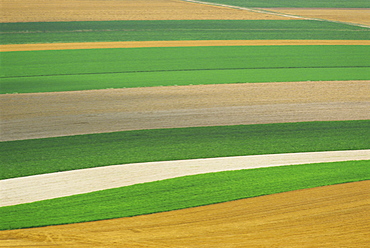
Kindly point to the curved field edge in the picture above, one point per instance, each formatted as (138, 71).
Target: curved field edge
(69, 70)
(284, 218)
(108, 31)
(177, 78)
(295, 4)
(179, 193)
(53, 185)
(39, 156)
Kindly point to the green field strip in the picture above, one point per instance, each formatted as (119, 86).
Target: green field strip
(101, 31)
(39, 156)
(62, 70)
(150, 79)
(295, 4)
(180, 193)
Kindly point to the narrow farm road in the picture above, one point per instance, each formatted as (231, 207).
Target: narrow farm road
(54, 185)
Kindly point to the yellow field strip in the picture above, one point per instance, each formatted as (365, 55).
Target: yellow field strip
(186, 43)
(53, 185)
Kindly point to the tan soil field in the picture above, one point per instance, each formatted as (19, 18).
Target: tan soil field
(107, 10)
(358, 16)
(187, 43)
(40, 115)
(53, 185)
(330, 216)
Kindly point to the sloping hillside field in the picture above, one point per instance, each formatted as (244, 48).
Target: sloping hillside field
(184, 123)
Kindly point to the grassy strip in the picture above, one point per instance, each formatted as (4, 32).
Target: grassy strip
(179, 193)
(31, 157)
(150, 79)
(58, 32)
(295, 4)
(40, 71)
(152, 59)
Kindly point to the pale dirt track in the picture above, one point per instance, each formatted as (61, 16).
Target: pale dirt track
(330, 216)
(27, 116)
(53, 185)
(107, 10)
(358, 16)
(185, 43)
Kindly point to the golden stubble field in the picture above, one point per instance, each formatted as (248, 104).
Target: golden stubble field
(179, 43)
(332, 216)
(106, 10)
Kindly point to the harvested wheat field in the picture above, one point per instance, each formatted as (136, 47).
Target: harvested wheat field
(42, 115)
(187, 43)
(358, 16)
(100, 10)
(330, 216)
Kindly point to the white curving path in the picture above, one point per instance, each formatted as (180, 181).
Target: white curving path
(53, 185)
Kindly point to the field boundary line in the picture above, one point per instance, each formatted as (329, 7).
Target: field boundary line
(261, 11)
(269, 12)
(54, 185)
(326, 20)
(187, 70)
(178, 43)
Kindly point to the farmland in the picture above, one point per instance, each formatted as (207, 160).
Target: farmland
(70, 73)
(295, 4)
(178, 193)
(251, 219)
(63, 70)
(30, 157)
(155, 30)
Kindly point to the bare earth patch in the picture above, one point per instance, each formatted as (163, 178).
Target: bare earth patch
(186, 43)
(107, 10)
(40, 115)
(330, 216)
(358, 16)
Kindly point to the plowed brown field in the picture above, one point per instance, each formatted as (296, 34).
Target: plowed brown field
(106, 10)
(331, 216)
(358, 16)
(40, 115)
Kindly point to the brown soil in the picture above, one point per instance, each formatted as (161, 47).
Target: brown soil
(358, 16)
(188, 43)
(331, 216)
(27, 116)
(106, 10)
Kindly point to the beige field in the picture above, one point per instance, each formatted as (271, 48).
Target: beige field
(40, 115)
(331, 216)
(106, 10)
(358, 16)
